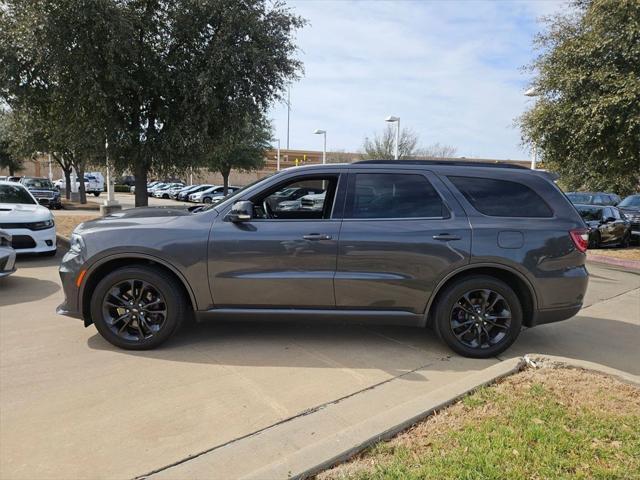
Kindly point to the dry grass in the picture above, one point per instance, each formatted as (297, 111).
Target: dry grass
(66, 223)
(630, 253)
(546, 423)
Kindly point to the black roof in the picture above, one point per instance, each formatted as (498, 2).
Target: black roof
(448, 163)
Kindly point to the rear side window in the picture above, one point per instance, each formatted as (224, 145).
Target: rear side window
(384, 195)
(501, 198)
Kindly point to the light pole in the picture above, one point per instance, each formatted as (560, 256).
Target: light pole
(50, 169)
(324, 148)
(396, 120)
(533, 92)
(278, 155)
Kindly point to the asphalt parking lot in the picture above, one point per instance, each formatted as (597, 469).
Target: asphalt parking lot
(73, 406)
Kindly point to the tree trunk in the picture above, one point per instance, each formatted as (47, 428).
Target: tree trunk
(81, 189)
(67, 182)
(140, 171)
(225, 180)
(11, 170)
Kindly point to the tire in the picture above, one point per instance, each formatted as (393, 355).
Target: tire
(156, 328)
(206, 200)
(165, 196)
(449, 312)
(96, 194)
(595, 242)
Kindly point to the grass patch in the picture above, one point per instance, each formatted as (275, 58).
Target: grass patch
(65, 224)
(630, 253)
(547, 423)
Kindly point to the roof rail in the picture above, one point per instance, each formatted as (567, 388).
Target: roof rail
(449, 163)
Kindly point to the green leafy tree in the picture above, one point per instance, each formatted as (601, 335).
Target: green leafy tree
(8, 157)
(158, 79)
(243, 146)
(585, 122)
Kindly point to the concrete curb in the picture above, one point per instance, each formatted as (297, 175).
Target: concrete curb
(293, 450)
(62, 241)
(632, 264)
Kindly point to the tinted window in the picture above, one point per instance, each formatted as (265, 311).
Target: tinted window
(589, 213)
(383, 195)
(501, 198)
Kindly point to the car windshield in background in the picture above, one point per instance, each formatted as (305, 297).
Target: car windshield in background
(38, 183)
(630, 201)
(590, 214)
(579, 198)
(17, 194)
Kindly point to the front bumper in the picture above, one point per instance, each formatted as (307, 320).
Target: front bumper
(70, 267)
(33, 241)
(7, 261)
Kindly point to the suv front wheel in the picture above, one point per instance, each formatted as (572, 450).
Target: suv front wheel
(478, 317)
(137, 308)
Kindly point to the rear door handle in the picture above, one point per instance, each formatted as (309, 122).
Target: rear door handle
(446, 236)
(317, 236)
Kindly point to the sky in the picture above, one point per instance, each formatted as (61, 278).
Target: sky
(452, 70)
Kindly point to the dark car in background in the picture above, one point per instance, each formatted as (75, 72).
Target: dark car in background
(44, 191)
(630, 206)
(607, 225)
(593, 198)
(476, 251)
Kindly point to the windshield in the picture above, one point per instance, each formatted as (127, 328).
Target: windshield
(38, 183)
(15, 194)
(590, 214)
(579, 197)
(630, 201)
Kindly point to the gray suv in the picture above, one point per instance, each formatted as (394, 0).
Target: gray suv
(475, 251)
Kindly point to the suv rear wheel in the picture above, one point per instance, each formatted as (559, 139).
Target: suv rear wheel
(478, 317)
(137, 308)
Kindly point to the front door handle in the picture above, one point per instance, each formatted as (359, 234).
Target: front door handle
(317, 236)
(445, 237)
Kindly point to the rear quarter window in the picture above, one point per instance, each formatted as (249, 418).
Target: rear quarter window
(501, 198)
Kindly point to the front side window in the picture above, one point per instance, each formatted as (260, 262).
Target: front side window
(15, 194)
(501, 198)
(307, 198)
(384, 195)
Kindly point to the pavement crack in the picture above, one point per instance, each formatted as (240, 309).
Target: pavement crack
(303, 413)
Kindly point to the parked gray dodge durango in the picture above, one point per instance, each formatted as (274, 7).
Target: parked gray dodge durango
(475, 251)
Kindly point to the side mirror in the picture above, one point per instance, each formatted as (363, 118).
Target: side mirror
(241, 211)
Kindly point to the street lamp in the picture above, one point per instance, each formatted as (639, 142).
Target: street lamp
(278, 157)
(324, 148)
(533, 92)
(396, 120)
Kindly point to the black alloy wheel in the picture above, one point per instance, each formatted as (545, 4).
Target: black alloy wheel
(134, 310)
(138, 307)
(478, 316)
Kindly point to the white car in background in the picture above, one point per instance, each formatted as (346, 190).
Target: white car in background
(30, 225)
(93, 183)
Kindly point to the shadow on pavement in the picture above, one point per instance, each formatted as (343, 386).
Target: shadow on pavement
(15, 289)
(395, 350)
(612, 343)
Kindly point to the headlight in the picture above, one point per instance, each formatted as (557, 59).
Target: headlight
(76, 243)
(42, 225)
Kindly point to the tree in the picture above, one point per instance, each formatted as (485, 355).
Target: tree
(382, 145)
(436, 150)
(243, 147)
(158, 79)
(585, 123)
(8, 158)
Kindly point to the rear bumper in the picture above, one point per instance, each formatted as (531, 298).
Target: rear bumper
(554, 315)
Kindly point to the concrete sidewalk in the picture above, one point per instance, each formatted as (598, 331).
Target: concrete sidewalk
(72, 406)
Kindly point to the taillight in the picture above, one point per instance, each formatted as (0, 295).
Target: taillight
(580, 237)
